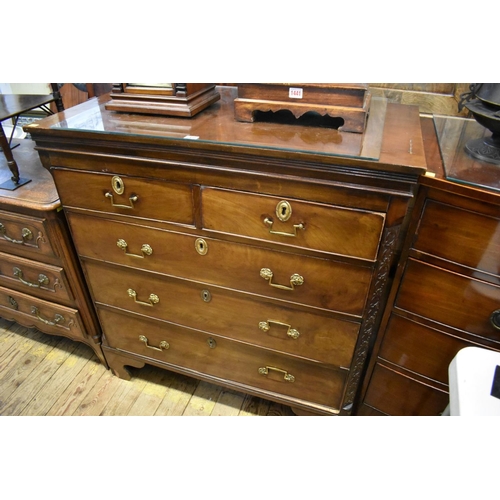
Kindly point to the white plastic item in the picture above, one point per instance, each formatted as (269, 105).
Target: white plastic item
(471, 375)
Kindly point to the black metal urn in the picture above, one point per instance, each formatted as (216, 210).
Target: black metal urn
(483, 101)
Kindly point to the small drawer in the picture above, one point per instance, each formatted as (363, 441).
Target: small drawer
(396, 394)
(301, 332)
(43, 280)
(132, 196)
(315, 226)
(420, 349)
(464, 237)
(451, 299)
(201, 353)
(48, 317)
(23, 234)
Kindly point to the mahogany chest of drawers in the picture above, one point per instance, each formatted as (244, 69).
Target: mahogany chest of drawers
(446, 293)
(254, 256)
(41, 282)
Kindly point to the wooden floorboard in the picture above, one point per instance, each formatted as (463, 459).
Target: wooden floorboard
(45, 375)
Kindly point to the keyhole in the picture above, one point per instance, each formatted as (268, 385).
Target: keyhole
(283, 210)
(206, 296)
(201, 246)
(118, 184)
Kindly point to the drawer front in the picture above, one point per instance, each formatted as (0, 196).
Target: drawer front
(42, 280)
(46, 316)
(226, 313)
(450, 299)
(395, 394)
(136, 197)
(465, 237)
(21, 234)
(419, 349)
(312, 281)
(225, 359)
(296, 223)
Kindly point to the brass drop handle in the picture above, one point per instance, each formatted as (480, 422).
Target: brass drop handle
(42, 279)
(145, 249)
(26, 234)
(132, 200)
(286, 376)
(153, 298)
(269, 222)
(57, 318)
(295, 279)
(163, 344)
(291, 332)
(495, 319)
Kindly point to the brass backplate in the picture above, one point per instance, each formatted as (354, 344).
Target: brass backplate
(117, 184)
(283, 210)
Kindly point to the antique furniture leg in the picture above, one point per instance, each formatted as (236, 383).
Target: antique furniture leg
(117, 364)
(4, 143)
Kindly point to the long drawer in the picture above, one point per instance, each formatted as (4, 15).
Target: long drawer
(131, 196)
(46, 316)
(457, 231)
(420, 349)
(343, 231)
(26, 275)
(321, 337)
(25, 235)
(451, 299)
(225, 359)
(399, 395)
(312, 281)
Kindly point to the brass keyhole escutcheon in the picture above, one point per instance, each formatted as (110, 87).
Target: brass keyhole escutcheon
(117, 184)
(201, 246)
(206, 296)
(211, 343)
(283, 211)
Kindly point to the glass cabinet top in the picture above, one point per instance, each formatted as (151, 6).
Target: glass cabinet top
(217, 124)
(453, 133)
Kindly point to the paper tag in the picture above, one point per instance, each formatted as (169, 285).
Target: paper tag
(295, 93)
(193, 137)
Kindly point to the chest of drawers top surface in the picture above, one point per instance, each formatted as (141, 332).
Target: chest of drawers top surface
(392, 141)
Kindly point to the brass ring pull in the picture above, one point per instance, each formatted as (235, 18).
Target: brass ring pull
(270, 223)
(287, 376)
(26, 234)
(132, 200)
(163, 344)
(291, 332)
(42, 279)
(153, 298)
(145, 249)
(295, 279)
(57, 318)
(495, 319)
